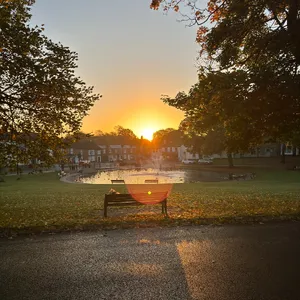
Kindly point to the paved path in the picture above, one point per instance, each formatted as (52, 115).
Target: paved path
(205, 262)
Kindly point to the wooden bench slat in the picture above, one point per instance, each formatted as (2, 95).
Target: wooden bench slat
(113, 181)
(119, 196)
(151, 181)
(121, 200)
(145, 201)
(129, 196)
(125, 204)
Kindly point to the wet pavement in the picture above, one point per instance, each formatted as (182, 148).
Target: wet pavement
(199, 262)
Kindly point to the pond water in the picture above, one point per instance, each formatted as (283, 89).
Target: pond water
(163, 176)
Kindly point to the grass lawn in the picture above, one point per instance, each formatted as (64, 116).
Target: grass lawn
(43, 203)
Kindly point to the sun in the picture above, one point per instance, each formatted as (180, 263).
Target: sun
(147, 133)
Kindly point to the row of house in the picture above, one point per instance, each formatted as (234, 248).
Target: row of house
(90, 151)
(117, 149)
(182, 152)
(169, 147)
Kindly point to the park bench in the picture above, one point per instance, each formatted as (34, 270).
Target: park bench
(117, 181)
(154, 198)
(151, 181)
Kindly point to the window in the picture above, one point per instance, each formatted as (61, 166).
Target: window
(104, 151)
(71, 151)
(124, 150)
(91, 152)
(99, 152)
(168, 149)
(173, 149)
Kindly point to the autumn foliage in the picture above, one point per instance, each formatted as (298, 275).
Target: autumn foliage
(248, 88)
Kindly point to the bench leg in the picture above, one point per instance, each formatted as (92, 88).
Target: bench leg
(166, 212)
(164, 208)
(105, 209)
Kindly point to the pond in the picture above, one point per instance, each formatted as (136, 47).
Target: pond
(138, 176)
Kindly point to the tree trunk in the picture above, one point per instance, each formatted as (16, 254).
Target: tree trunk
(18, 171)
(230, 160)
(283, 148)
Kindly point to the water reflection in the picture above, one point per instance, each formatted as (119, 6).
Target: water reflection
(162, 176)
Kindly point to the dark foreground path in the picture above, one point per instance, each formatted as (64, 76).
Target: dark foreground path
(229, 262)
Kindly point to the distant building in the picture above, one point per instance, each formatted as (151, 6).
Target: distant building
(119, 152)
(178, 153)
(84, 151)
(101, 150)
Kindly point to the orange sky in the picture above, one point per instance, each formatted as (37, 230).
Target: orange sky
(138, 110)
(130, 54)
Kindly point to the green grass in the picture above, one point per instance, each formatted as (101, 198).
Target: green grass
(43, 203)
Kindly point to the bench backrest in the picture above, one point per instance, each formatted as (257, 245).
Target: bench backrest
(151, 181)
(138, 198)
(117, 181)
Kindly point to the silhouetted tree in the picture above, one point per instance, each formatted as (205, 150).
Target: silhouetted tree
(253, 54)
(41, 100)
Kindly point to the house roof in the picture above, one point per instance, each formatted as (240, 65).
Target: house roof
(85, 145)
(117, 146)
(114, 140)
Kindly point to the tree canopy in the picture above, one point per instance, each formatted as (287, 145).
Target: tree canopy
(250, 90)
(167, 137)
(238, 32)
(118, 131)
(217, 107)
(125, 132)
(119, 136)
(41, 98)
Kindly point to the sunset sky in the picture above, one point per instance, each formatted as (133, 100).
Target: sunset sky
(129, 53)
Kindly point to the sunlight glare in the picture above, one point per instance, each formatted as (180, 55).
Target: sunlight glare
(147, 133)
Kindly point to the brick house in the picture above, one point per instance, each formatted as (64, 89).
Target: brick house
(120, 152)
(84, 151)
(106, 149)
